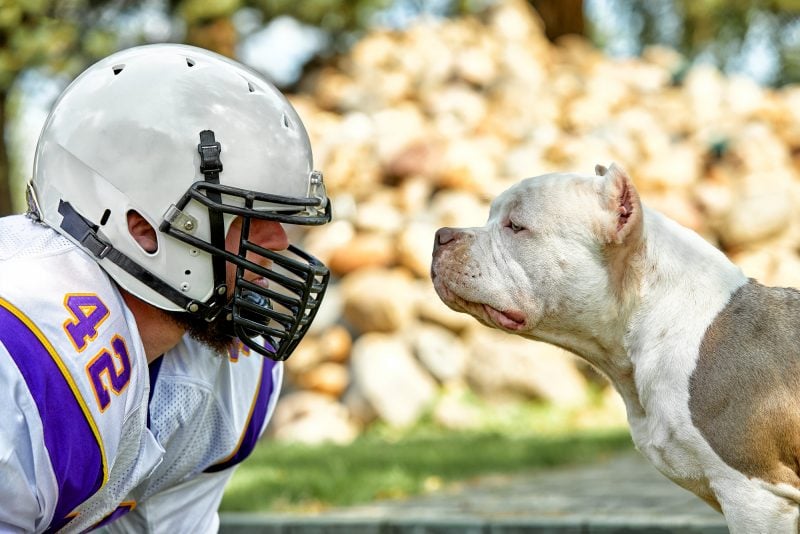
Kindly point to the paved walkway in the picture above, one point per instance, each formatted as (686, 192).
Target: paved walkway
(623, 494)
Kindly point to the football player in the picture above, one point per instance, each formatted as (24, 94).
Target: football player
(149, 296)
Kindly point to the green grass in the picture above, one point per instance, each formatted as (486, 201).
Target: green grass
(385, 464)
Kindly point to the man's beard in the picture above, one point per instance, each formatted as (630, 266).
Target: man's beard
(216, 335)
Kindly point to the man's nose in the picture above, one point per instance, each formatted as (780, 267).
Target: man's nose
(444, 236)
(268, 234)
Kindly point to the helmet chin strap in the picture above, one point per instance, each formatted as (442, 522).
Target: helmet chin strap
(85, 233)
(210, 166)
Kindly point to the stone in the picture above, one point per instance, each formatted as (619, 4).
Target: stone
(335, 343)
(329, 312)
(379, 216)
(430, 308)
(458, 208)
(397, 128)
(442, 353)
(413, 196)
(457, 109)
(323, 242)
(379, 301)
(755, 218)
(501, 365)
(414, 247)
(675, 167)
(359, 407)
(787, 269)
(470, 163)
(390, 379)
(456, 411)
(307, 355)
(365, 250)
(329, 378)
(311, 418)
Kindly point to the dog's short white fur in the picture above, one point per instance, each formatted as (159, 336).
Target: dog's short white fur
(706, 360)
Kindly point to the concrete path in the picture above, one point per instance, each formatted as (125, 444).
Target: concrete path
(622, 494)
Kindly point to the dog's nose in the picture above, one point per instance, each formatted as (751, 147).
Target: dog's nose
(443, 236)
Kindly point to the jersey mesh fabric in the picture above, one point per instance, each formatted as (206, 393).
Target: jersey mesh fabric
(16, 239)
(191, 447)
(122, 478)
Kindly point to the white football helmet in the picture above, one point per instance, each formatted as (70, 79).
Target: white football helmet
(148, 129)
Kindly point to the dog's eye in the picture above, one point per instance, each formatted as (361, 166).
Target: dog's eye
(514, 227)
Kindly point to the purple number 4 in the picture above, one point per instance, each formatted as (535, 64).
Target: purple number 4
(88, 311)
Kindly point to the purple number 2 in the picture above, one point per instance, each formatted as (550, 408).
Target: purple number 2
(108, 370)
(118, 377)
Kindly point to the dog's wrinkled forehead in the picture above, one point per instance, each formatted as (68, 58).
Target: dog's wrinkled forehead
(545, 195)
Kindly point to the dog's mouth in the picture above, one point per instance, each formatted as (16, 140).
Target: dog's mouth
(508, 320)
(511, 320)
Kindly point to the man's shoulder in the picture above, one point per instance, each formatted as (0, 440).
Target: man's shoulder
(21, 237)
(70, 338)
(77, 376)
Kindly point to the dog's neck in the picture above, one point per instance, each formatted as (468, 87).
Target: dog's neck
(682, 283)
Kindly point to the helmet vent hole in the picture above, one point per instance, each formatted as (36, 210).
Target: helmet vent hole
(187, 272)
(104, 218)
(250, 87)
(190, 62)
(116, 69)
(286, 123)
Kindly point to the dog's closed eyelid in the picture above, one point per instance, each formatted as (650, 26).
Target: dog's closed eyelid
(516, 228)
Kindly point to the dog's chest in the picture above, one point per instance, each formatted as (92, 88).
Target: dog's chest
(663, 432)
(726, 396)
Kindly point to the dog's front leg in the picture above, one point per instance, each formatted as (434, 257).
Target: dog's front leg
(750, 507)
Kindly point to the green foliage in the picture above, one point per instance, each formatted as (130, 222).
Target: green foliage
(385, 462)
(51, 34)
(340, 19)
(195, 11)
(282, 477)
(717, 30)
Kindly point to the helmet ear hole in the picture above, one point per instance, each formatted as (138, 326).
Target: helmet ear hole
(142, 232)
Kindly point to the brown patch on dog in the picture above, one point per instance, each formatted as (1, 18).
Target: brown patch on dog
(745, 391)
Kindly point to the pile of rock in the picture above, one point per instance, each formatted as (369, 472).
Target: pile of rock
(420, 129)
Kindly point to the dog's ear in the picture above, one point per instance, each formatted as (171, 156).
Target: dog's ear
(621, 201)
(600, 170)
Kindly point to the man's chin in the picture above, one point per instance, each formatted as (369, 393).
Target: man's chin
(213, 334)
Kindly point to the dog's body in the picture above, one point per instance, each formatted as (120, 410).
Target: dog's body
(707, 361)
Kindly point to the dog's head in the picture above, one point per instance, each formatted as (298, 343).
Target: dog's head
(555, 252)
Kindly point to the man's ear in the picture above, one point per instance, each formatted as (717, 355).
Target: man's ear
(142, 232)
(621, 202)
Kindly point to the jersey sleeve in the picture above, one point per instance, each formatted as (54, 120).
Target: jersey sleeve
(190, 506)
(25, 495)
(60, 437)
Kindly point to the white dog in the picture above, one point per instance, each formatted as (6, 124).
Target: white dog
(707, 360)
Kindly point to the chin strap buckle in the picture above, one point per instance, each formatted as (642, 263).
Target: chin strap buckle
(210, 162)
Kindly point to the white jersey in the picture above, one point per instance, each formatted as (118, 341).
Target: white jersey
(73, 386)
(84, 440)
(208, 412)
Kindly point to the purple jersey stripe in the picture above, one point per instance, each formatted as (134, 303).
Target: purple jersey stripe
(122, 509)
(255, 422)
(74, 448)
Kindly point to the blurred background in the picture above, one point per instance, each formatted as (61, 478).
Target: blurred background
(420, 112)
